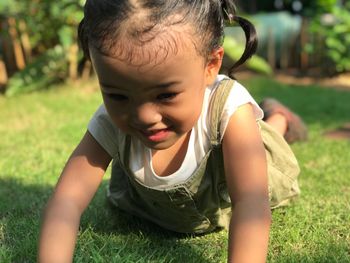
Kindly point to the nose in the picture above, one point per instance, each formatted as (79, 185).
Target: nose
(145, 115)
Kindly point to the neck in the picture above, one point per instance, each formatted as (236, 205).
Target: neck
(168, 161)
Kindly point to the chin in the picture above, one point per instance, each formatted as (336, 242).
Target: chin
(158, 145)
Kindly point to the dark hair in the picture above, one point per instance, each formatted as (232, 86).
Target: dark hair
(104, 20)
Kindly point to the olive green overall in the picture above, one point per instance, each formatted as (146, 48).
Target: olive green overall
(201, 204)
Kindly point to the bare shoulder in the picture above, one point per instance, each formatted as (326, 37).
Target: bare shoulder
(242, 126)
(244, 155)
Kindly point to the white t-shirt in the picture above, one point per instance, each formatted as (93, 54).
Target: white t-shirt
(112, 139)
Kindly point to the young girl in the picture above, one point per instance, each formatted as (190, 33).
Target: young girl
(188, 146)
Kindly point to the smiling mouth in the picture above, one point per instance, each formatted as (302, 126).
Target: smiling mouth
(156, 135)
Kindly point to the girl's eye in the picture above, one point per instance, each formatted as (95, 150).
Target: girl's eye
(166, 96)
(117, 97)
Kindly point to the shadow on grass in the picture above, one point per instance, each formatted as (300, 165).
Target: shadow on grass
(106, 234)
(133, 238)
(109, 235)
(20, 212)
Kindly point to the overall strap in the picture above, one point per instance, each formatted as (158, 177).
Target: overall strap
(127, 147)
(217, 106)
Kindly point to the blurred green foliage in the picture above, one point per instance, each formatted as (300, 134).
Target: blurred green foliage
(47, 69)
(308, 7)
(49, 22)
(320, 6)
(334, 28)
(52, 28)
(323, 6)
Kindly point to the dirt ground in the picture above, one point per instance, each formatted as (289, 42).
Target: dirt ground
(341, 81)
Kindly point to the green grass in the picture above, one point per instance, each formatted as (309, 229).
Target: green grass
(38, 131)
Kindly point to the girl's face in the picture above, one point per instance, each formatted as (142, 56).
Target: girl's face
(159, 103)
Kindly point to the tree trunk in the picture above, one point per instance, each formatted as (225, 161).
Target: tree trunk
(25, 40)
(3, 73)
(73, 61)
(19, 56)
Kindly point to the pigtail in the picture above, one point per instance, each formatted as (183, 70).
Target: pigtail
(229, 17)
(251, 41)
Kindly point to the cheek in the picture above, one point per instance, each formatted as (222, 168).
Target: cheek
(120, 121)
(121, 124)
(118, 117)
(188, 114)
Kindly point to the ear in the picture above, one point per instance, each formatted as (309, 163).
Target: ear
(213, 65)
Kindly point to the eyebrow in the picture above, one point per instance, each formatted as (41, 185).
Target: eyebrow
(167, 84)
(161, 86)
(107, 88)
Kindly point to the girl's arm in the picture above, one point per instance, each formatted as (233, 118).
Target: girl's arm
(246, 176)
(77, 185)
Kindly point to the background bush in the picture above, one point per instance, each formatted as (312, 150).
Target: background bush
(309, 7)
(334, 28)
(49, 22)
(52, 27)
